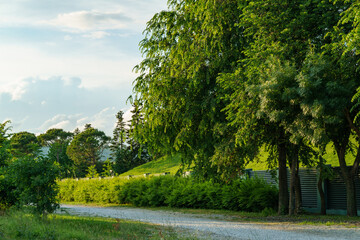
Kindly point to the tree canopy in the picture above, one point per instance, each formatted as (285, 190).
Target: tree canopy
(86, 148)
(222, 79)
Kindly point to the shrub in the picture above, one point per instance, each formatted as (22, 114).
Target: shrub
(240, 195)
(105, 190)
(7, 195)
(255, 195)
(34, 183)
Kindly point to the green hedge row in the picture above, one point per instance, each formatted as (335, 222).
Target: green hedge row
(242, 195)
(252, 195)
(104, 190)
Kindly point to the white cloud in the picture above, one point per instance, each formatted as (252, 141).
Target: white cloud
(96, 35)
(127, 115)
(83, 21)
(102, 120)
(63, 125)
(21, 62)
(67, 38)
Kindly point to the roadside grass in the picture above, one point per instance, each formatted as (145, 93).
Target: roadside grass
(24, 226)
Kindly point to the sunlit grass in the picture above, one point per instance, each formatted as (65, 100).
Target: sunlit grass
(172, 163)
(164, 164)
(330, 157)
(20, 225)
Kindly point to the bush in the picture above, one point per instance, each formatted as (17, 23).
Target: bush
(7, 192)
(105, 190)
(241, 195)
(33, 181)
(255, 195)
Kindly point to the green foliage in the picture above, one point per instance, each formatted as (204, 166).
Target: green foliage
(57, 140)
(166, 163)
(86, 148)
(23, 226)
(105, 190)
(240, 195)
(119, 135)
(107, 169)
(34, 182)
(23, 144)
(8, 197)
(256, 195)
(54, 135)
(181, 192)
(4, 143)
(57, 154)
(134, 153)
(92, 172)
(185, 48)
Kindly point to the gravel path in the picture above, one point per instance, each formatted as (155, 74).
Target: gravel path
(207, 228)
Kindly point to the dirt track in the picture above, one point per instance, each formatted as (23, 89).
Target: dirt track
(210, 228)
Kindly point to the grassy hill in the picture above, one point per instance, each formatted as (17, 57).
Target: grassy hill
(330, 157)
(164, 164)
(172, 163)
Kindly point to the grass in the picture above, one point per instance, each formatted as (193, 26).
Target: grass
(330, 157)
(164, 164)
(21, 225)
(172, 163)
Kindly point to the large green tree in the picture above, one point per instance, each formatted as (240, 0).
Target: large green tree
(264, 103)
(4, 143)
(57, 140)
(86, 148)
(23, 144)
(327, 83)
(132, 152)
(185, 49)
(119, 134)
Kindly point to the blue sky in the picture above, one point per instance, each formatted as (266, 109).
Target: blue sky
(66, 63)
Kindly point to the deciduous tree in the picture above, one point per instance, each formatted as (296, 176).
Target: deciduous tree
(86, 148)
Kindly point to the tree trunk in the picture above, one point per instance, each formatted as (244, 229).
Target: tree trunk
(283, 186)
(321, 192)
(350, 195)
(292, 164)
(295, 188)
(348, 175)
(298, 195)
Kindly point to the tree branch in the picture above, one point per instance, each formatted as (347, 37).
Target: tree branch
(352, 126)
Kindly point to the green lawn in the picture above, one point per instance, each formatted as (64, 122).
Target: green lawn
(172, 163)
(330, 157)
(164, 164)
(24, 226)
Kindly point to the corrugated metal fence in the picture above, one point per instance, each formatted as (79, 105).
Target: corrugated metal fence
(335, 191)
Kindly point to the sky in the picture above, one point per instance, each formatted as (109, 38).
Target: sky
(65, 63)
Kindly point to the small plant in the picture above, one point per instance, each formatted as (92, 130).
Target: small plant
(92, 172)
(107, 169)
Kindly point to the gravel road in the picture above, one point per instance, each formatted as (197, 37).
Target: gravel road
(209, 228)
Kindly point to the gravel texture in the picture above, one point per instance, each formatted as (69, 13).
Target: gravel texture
(208, 228)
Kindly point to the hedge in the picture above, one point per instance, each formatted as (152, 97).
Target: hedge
(252, 195)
